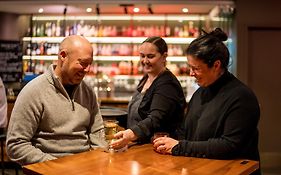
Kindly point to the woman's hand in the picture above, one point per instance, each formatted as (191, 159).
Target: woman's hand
(164, 145)
(123, 138)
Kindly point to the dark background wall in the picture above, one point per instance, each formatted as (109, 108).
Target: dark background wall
(258, 65)
(9, 26)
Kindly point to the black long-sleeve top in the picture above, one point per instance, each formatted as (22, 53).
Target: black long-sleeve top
(161, 108)
(221, 122)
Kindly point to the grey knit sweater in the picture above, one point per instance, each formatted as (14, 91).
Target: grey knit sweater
(47, 123)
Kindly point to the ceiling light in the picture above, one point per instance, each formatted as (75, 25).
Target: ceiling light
(89, 10)
(41, 10)
(185, 10)
(136, 10)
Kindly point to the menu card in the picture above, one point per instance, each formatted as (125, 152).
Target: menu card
(10, 61)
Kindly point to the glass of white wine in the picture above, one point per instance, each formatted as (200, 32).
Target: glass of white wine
(111, 128)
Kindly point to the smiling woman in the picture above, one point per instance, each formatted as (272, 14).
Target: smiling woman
(223, 114)
(158, 103)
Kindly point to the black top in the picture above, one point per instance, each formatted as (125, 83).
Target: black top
(161, 108)
(221, 122)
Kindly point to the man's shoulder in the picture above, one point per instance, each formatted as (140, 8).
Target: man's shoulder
(37, 84)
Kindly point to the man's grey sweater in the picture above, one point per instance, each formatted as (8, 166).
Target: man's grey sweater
(47, 123)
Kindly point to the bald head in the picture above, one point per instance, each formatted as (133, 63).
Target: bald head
(75, 59)
(74, 42)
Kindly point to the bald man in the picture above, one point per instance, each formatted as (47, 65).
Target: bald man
(57, 114)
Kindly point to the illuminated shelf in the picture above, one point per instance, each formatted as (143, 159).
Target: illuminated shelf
(125, 17)
(103, 58)
(128, 40)
(138, 77)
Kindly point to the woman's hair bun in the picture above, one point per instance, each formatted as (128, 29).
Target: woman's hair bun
(218, 33)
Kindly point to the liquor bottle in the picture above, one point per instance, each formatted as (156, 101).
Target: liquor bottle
(185, 31)
(28, 49)
(191, 28)
(53, 29)
(58, 29)
(48, 29)
(41, 48)
(167, 31)
(42, 30)
(34, 29)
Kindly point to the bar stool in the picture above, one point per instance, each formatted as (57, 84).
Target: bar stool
(9, 164)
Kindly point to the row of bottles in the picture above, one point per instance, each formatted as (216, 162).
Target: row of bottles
(45, 48)
(42, 48)
(115, 68)
(56, 29)
(36, 66)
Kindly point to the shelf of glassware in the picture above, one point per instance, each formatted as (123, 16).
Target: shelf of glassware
(102, 58)
(124, 85)
(107, 40)
(113, 40)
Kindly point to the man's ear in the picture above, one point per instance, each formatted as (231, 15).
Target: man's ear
(63, 55)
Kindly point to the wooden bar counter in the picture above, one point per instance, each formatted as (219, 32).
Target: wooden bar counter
(139, 159)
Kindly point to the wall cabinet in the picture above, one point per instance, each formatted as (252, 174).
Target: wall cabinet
(115, 39)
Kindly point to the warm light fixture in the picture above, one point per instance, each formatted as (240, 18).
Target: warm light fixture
(41, 10)
(149, 8)
(126, 7)
(184, 10)
(136, 10)
(89, 10)
(97, 9)
(65, 9)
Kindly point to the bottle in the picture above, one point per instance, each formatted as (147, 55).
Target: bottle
(191, 28)
(168, 31)
(42, 30)
(41, 48)
(34, 29)
(48, 29)
(58, 28)
(28, 49)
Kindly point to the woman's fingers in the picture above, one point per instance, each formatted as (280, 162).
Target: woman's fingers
(118, 135)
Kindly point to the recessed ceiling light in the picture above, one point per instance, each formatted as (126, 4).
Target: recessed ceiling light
(41, 10)
(184, 10)
(136, 10)
(89, 10)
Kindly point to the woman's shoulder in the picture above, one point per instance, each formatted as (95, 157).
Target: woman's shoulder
(167, 77)
(237, 89)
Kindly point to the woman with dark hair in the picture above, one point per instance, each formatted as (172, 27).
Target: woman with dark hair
(158, 103)
(223, 114)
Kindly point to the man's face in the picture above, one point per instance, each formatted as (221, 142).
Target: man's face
(76, 65)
